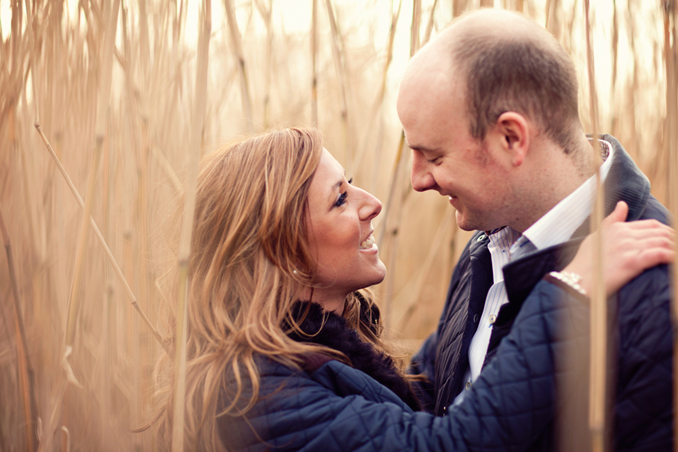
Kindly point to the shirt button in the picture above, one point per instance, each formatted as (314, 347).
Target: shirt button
(475, 318)
(493, 318)
(468, 385)
(444, 410)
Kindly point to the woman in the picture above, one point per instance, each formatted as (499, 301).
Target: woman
(284, 348)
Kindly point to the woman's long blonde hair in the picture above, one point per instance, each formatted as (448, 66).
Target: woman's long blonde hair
(250, 261)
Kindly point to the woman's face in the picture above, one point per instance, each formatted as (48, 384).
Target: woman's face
(340, 233)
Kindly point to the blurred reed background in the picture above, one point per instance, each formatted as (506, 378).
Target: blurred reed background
(112, 86)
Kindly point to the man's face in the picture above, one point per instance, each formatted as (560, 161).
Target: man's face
(446, 158)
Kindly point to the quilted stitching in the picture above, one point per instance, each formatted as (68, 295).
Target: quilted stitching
(338, 408)
(641, 331)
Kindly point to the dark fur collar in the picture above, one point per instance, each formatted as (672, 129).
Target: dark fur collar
(336, 334)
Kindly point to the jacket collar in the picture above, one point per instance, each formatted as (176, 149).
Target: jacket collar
(625, 182)
(333, 331)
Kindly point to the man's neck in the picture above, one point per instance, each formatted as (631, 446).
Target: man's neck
(554, 176)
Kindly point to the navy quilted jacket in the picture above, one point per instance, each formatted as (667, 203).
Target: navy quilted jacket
(336, 408)
(640, 367)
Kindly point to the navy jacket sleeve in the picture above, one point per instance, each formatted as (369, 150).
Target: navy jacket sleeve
(341, 409)
(643, 400)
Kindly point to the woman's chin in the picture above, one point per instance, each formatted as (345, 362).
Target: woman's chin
(380, 275)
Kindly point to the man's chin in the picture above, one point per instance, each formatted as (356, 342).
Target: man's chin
(464, 223)
(469, 223)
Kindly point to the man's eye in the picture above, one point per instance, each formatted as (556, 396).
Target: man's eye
(341, 200)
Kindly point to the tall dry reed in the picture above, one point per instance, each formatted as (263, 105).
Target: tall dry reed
(671, 148)
(598, 318)
(165, 106)
(189, 209)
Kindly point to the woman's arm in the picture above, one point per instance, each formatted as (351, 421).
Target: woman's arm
(340, 409)
(628, 249)
(511, 405)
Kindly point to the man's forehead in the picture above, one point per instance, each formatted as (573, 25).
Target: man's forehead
(428, 96)
(431, 59)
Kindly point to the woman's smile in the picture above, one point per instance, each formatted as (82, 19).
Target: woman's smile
(369, 244)
(339, 218)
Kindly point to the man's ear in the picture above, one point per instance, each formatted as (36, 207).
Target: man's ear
(512, 130)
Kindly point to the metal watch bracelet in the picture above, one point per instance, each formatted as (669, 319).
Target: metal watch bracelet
(571, 279)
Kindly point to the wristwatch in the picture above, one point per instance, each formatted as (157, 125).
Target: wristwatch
(571, 279)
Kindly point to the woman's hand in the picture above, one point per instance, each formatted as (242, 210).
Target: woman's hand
(628, 250)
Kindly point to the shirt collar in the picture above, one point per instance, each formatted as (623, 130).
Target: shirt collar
(501, 240)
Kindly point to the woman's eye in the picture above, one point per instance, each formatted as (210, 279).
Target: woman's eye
(341, 200)
(350, 181)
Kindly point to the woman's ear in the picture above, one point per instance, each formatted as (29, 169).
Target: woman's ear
(512, 130)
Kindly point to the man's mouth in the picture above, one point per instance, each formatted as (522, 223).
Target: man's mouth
(367, 243)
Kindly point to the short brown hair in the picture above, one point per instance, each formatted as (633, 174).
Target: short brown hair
(530, 75)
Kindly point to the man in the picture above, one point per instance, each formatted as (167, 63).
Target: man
(489, 109)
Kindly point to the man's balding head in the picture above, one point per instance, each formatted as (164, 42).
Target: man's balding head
(505, 62)
(489, 109)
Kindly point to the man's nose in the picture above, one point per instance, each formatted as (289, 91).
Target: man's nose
(422, 179)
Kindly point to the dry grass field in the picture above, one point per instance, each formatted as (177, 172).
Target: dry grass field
(115, 98)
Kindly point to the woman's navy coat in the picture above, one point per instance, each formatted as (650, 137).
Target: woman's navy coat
(336, 408)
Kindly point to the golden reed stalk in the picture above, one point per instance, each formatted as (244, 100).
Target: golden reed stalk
(314, 64)
(425, 270)
(391, 192)
(429, 26)
(102, 109)
(236, 41)
(672, 174)
(187, 228)
(416, 23)
(414, 43)
(24, 368)
(102, 241)
(52, 78)
(598, 316)
(341, 76)
(388, 208)
(400, 162)
(266, 15)
(74, 300)
(379, 99)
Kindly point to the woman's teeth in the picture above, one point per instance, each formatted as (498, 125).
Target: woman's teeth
(367, 244)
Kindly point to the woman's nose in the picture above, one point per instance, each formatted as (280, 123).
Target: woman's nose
(370, 207)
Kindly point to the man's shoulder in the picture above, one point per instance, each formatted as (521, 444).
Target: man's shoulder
(654, 210)
(646, 293)
(653, 281)
(645, 301)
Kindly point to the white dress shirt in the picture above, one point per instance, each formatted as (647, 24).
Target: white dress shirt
(506, 244)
